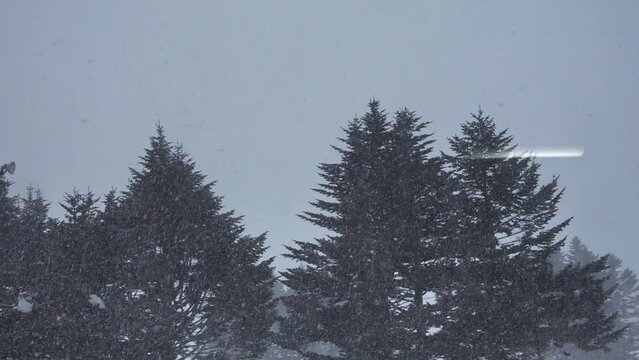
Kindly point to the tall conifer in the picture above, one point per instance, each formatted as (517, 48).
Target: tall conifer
(196, 284)
(361, 288)
(503, 299)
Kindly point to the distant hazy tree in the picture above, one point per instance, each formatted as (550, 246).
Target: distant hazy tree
(626, 295)
(578, 253)
(276, 352)
(624, 301)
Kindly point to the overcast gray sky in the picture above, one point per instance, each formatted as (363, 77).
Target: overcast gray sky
(257, 91)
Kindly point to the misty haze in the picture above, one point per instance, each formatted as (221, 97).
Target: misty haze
(319, 180)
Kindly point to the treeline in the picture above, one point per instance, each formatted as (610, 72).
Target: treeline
(161, 272)
(427, 256)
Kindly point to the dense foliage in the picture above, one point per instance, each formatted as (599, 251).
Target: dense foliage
(456, 255)
(623, 301)
(161, 272)
(438, 256)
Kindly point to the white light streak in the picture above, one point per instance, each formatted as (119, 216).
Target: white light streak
(565, 152)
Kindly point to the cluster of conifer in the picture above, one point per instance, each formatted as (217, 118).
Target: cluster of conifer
(427, 256)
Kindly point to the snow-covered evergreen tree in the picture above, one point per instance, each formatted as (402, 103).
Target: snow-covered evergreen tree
(73, 302)
(23, 258)
(8, 244)
(343, 293)
(196, 284)
(503, 299)
(418, 208)
(33, 259)
(359, 293)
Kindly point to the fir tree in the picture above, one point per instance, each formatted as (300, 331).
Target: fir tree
(627, 295)
(624, 301)
(503, 299)
(418, 208)
(579, 254)
(342, 294)
(196, 285)
(361, 287)
(112, 271)
(8, 246)
(280, 291)
(34, 279)
(22, 251)
(73, 302)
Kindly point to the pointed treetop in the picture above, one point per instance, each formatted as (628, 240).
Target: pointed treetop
(159, 130)
(375, 116)
(408, 121)
(160, 138)
(34, 203)
(578, 253)
(159, 141)
(79, 207)
(480, 136)
(373, 105)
